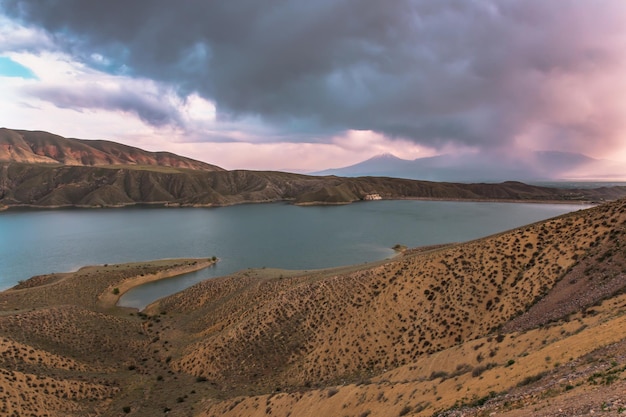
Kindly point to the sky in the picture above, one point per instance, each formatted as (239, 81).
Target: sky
(310, 85)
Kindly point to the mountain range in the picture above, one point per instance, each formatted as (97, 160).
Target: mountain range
(43, 170)
(486, 167)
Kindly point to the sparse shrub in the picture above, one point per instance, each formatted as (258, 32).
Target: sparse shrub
(461, 369)
(126, 409)
(116, 291)
(477, 371)
(405, 410)
(438, 374)
(201, 378)
(531, 379)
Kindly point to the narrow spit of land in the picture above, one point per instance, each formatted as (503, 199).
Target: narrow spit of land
(96, 287)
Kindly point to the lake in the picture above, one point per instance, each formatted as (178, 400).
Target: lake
(274, 235)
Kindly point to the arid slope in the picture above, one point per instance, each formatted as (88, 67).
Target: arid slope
(520, 322)
(42, 170)
(24, 146)
(321, 329)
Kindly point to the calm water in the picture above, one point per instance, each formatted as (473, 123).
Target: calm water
(247, 236)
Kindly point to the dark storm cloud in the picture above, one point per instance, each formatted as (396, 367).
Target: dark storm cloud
(152, 109)
(446, 71)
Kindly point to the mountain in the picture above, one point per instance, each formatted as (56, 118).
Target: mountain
(531, 321)
(47, 171)
(51, 186)
(46, 148)
(485, 167)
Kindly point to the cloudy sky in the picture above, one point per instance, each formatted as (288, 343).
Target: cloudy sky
(309, 85)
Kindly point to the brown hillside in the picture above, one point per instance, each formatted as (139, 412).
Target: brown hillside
(319, 329)
(450, 330)
(49, 186)
(43, 170)
(42, 147)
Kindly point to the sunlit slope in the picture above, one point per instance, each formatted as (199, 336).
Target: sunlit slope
(25, 146)
(526, 322)
(317, 329)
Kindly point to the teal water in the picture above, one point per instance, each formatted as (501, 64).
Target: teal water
(247, 236)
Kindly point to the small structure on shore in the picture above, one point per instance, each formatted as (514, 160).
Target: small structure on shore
(371, 197)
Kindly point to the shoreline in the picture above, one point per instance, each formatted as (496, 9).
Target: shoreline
(108, 299)
(172, 205)
(501, 200)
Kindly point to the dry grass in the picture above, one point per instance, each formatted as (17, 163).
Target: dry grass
(494, 324)
(324, 328)
(93, 286)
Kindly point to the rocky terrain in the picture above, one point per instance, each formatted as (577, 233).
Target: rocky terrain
(526, 322)
(42, 170)
(35, 147)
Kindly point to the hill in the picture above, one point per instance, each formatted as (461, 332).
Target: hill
(37, 147)
(47, 186)
(525, 322)
(486, 167)
(42, 170)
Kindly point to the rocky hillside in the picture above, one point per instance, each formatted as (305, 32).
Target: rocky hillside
(39, 185)
(36, 147)
(39, 169)
(527, 322)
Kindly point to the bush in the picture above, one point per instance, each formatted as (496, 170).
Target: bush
(477, 371)
(116, 291)
(405, 410)
(438, 374)
(531, 379)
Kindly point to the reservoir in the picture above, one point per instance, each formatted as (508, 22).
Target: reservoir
(276, 235)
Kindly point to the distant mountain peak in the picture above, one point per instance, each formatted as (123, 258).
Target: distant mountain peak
(481, 167)
(385, 155)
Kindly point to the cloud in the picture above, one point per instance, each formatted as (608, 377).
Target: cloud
(150, 108)
(17, 38)
(472, 73)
